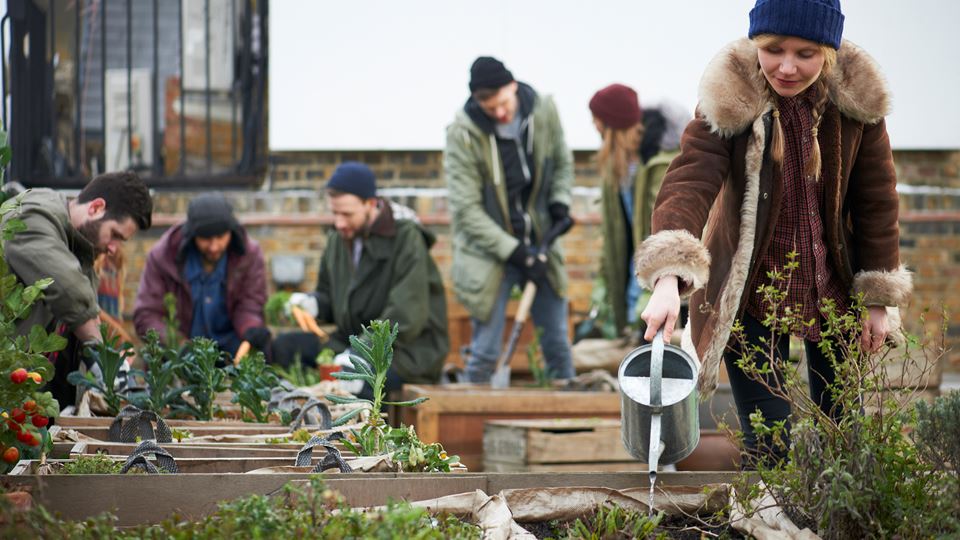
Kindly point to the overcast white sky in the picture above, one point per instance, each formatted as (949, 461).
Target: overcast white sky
(387, 74)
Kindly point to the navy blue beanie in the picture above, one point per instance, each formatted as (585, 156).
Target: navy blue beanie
(816, 20)
(354, 178)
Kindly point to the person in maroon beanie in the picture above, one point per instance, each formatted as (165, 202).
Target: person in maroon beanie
(788, 153)
(637, 146)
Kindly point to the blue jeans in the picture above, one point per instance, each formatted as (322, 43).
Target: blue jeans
(549, 312)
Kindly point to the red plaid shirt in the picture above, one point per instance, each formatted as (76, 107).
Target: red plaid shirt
(799, 227)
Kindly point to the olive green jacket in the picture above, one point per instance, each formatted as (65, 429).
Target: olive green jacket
(395, 280)
(613, 265)
(482, 235)
(51, 247)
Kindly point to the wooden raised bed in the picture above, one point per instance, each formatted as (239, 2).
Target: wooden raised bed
(140, 498)
(454, 415)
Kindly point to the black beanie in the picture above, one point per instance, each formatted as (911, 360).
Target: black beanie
(488, 72)
(354, 178)
(209, 215)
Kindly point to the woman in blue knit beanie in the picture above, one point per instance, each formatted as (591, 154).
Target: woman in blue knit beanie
(788, 159)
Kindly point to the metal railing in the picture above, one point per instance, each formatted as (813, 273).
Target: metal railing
(56, 146)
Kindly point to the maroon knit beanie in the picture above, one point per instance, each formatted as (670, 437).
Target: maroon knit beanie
(617, 106)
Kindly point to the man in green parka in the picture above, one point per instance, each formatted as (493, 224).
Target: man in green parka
(61, 239)
(509, 174)
(377, 265)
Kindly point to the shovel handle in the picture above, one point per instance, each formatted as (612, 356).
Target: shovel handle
(526, 301)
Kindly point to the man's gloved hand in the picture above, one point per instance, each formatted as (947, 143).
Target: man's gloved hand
(534, 267)
(259, 337)
(304, 301)
(92, 367)
(560, 212)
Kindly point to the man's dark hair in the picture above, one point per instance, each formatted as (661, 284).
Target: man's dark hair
(483, 94)
(125, 194)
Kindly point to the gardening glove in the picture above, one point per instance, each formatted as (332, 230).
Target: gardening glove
(304, 301)
(560, 213)
(533, 266)
(259, 338)
(343, 360)
(92, 367)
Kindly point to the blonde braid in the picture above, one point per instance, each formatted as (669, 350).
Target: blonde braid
(812, 166)
(776, 142)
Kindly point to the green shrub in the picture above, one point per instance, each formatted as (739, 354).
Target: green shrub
(853, 474)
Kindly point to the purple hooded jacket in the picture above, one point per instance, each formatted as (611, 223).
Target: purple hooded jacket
(163, 273)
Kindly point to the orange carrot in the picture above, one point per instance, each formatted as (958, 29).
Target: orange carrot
(242, 351)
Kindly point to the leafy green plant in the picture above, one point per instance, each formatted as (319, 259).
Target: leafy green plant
(274, 309)
(375, 437)
(542, 378)
(95, 464)
(23, 362)
(376, 355)
(852, 473)
(325, 358)
(937, 435)
(198, 368)
(179, 434)
(413, 455)
(310, 511)
(109, 355)
(611, 521)
(297, 374)
(251, 382)
(159, 376)
(170, 321)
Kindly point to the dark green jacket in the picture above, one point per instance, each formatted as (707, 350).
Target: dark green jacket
(613, 265)
(396, 279)
(51, 247)
(482, 235)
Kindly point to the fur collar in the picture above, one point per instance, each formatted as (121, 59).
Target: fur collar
(732, 88)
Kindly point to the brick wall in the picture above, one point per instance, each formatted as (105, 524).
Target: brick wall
(290, 218)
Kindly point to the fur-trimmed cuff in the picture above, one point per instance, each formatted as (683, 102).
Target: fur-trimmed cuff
(884, 287)
(673, 253)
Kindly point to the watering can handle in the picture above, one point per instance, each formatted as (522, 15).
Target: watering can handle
(656, 371)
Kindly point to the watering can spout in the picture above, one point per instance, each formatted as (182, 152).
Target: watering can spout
(660, 420)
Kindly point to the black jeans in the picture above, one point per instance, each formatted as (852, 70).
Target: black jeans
(751, 395)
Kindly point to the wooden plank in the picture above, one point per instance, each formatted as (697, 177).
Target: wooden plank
(629, 466)
(137, 499)
(181, 450)
(102, 433)
(67, 421)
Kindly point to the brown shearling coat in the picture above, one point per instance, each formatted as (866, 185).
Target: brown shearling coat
(723, 188)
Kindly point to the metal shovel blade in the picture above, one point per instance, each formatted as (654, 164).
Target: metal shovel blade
(501, 377)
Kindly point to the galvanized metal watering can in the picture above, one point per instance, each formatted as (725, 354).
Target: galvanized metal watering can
(660, 419)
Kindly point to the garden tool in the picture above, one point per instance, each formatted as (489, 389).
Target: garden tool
(501, 375)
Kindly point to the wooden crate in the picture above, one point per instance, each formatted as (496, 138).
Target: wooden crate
(455, 414)
(562, 444)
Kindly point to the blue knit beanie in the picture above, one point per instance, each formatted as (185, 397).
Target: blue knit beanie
(817, 20)
(354, 178)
